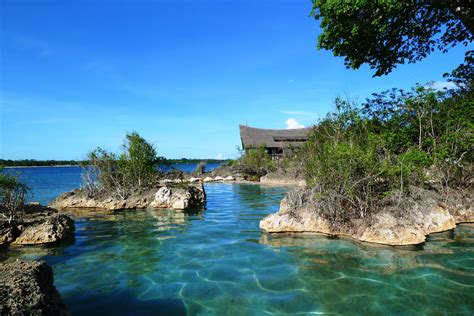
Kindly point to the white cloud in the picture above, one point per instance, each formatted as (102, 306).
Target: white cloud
(292, 123)
(302, 116)
(220, 156)
(299, 113)
(441, 85)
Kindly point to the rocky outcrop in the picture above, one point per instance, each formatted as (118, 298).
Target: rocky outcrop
(26, 288)
(8, 234)
(211, 179)
(227, 172)
(421, 214)
(35, 225)
(175, 197)
(48, 230)
(179, 199)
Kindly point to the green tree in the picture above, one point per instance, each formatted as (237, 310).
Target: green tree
(138, 160)
(134, 168)
(463, 75)
(384, 33)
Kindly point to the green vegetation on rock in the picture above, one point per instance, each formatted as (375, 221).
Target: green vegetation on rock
(255, 162)
(359, 154)
(12, 195)
(134, 168)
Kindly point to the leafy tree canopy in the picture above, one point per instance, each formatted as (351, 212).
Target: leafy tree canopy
(384, 33)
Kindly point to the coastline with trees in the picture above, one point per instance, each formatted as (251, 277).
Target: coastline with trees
(390, 170)
(385, 172)
(25, 163)
(400, 165)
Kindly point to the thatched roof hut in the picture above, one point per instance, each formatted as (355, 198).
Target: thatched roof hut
(275, 140)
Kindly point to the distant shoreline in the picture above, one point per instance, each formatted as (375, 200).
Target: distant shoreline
(58, 166)
(71, 163)
(55, 166)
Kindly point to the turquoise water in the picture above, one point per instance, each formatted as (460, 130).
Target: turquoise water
(215, 261)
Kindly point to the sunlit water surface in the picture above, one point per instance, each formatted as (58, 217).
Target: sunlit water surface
(216, 261)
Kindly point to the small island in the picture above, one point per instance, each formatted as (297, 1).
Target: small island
(391, 170)
(322, 190)
(130, 180)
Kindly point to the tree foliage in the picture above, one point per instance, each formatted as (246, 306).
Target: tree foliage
(256, 162)
(385, 33)
(463, 75)
(35, 163)
(359, 154)
(12, 195)
(134, 168)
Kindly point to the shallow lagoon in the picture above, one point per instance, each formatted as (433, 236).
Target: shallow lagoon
(216, 261)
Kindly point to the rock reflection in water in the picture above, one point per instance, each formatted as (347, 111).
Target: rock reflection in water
(125, 246)
(256, 196)
(218, 262)
(391, 278)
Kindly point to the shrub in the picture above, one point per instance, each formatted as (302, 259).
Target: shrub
(356, 156)
(290, 165)
(255, 162)
(201, 168)
(344, 162)
(134, 168)
(138, 160)
(229, 163)
(12, 195)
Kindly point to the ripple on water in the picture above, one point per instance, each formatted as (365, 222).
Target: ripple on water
(217, 262)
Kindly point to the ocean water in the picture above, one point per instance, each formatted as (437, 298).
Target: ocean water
(216, 261)
(190, 167)
(48, 182)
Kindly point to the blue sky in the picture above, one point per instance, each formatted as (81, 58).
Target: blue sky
(75, 75)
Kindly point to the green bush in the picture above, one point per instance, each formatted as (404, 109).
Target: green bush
(12, 195)
(344, 162)
(134, 168)
(229, 163)
(255, 162)
(357, 155)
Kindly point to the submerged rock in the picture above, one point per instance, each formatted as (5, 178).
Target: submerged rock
(26, 288)
(420, 215)
(174, 197)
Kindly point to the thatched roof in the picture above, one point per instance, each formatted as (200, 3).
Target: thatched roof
(253, 137)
